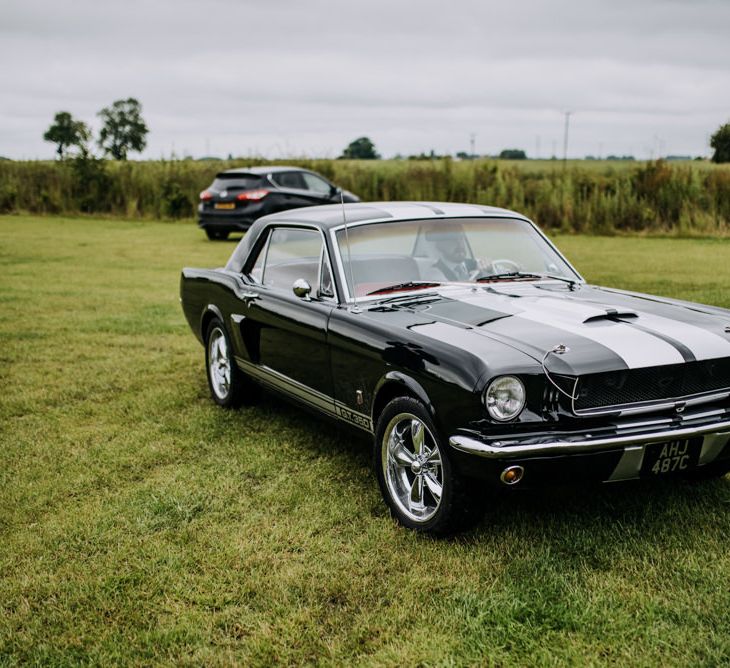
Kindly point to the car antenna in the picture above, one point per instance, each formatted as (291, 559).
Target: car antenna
(354, 308)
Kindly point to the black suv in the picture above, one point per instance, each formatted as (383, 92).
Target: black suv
(237, 197)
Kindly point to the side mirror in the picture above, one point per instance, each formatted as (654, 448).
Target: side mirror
(302, 289)
(336, 192)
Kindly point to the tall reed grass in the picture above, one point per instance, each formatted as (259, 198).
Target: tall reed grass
(597, 197)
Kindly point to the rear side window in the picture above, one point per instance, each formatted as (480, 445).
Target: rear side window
(235, 182)
(292, 254)
(289, 180)
(257, 271)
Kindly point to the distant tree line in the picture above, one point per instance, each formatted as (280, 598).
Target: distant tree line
(123, 130)
(363, 148)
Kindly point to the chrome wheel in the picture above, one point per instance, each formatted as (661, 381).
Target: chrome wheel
(412, 467)
(219, 364)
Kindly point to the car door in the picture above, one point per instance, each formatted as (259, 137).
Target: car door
(292, 190)
(285, 336)
(321, 190)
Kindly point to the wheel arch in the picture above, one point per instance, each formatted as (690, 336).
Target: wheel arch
(209, 312)
(397, 384)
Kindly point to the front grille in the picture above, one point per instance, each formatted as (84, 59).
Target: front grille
(673, 381)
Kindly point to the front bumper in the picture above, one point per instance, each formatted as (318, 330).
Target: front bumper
(610, 453)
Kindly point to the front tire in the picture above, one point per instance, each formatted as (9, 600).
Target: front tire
(415, 474)
(226, 382)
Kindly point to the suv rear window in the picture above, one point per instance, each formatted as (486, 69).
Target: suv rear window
(235, 182)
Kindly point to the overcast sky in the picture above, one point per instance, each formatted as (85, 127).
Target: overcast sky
(284, 78)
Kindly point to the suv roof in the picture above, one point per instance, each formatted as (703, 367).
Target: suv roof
(261, 170)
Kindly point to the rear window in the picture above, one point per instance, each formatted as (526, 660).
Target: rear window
(235, 182)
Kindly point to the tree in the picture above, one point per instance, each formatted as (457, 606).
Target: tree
(123, 128)
(513, 154)
(66, 132)
(360, 149)
(720, 141)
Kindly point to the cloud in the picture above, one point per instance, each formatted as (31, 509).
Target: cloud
(286, 76)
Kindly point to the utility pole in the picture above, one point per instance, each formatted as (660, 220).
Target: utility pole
(565, 137)
(472, 140)
(565, 164)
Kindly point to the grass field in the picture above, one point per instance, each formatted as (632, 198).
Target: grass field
(139, 523)
(598, 197)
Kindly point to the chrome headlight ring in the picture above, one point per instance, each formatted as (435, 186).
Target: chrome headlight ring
(505, 398)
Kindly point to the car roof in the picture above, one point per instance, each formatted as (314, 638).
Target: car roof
(260, 170)
(330, 215)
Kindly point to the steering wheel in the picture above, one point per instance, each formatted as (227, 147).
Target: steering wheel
(490, 267)
(505, 266)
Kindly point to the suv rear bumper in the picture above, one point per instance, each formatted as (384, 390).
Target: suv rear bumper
(240, 218)
(224, 223)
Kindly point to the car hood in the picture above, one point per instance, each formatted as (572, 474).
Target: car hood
(601, 329)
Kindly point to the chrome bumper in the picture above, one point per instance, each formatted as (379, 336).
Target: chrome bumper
(716, 436)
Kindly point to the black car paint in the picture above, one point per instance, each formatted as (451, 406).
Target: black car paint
(358, 359)
(376, 352)
(278, 199)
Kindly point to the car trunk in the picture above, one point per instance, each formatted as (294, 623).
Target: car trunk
(225, 189)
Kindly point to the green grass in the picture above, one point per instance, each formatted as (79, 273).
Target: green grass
(141, 524)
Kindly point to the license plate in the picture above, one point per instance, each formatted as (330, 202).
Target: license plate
(224, 205)
(670, 457)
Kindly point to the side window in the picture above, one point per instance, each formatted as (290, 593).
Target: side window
(292, 254)
(316, 184)
(326, 285)
(257, 270)
(289, 180)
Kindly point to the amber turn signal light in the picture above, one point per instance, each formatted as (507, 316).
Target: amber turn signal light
(512, 475)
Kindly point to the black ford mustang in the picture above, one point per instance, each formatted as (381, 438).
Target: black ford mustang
(237, 197)
(466, 344)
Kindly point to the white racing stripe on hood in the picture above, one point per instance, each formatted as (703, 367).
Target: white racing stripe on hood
(703, 344)
(492, 301)
(637, 349)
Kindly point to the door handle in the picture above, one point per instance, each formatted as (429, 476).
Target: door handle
(249, 297)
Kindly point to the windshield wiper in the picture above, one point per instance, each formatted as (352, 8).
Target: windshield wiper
(523, 274)
(408, 285)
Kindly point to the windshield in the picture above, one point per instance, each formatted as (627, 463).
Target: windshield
(445, 251)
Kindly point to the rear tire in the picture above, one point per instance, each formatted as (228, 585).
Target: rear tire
(415, 473)
(228, 386)
(216, 235)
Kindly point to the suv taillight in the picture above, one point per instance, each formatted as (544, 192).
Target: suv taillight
(253, 194)
(206, 196)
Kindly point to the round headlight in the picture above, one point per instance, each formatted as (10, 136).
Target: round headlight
(505, 398)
